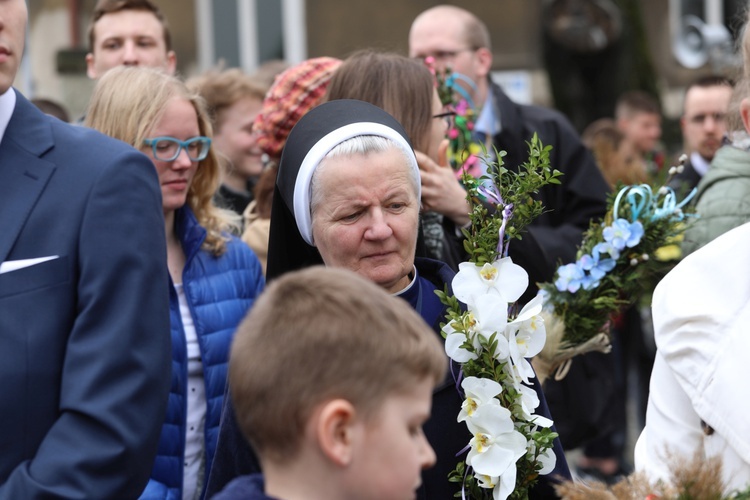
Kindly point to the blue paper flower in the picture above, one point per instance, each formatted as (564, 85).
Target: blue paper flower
(623, 234)
(606, 248)
(597, 268)
(570, 277)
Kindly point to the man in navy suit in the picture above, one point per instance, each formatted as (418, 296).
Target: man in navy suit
(84, 315)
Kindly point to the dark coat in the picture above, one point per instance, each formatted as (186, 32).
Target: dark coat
(244, 488)
(684, 182)
(84, 337)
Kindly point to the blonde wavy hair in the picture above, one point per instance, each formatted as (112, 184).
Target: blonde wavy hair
(127, 102)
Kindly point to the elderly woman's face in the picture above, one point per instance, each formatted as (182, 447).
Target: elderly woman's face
(368, 216)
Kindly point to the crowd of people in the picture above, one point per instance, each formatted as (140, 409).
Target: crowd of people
(144, 356)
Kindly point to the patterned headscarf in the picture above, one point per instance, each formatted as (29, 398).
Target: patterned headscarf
(294, 92)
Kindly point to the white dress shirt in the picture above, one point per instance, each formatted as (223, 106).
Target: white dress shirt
(7, 105)
(700, 164)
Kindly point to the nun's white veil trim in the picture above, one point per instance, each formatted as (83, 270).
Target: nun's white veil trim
(321, 148)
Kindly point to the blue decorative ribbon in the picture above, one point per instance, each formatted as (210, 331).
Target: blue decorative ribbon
(642, 203)
(450, 82)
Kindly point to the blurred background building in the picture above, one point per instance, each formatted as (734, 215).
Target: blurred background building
(575, 55)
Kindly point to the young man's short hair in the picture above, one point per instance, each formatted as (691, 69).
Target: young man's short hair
(221, 89)
(710, 81)
(634, 102)
(321, 334)
(104, 7)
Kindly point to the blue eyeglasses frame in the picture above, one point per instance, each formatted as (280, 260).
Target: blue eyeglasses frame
(153, 141)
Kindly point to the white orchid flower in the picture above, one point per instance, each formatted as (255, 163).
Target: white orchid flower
(496, 445)
(479, 392)
(528, 329)
(484, 317)
(491, 317)
(502, 278)
(526, 337)
(454, 341)
(519, 368)
(529, 401)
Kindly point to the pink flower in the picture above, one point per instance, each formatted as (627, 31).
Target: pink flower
(453, 133)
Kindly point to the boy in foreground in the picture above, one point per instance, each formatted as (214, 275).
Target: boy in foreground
(332, 379)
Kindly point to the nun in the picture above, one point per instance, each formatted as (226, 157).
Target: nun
(347, 195)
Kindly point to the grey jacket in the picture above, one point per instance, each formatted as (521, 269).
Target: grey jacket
(723, 198)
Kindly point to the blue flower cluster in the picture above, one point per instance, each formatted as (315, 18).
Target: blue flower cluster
(588, 271)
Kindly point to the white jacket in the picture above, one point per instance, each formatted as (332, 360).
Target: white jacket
(701, 316)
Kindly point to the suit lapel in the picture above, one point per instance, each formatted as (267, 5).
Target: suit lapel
(23, 174)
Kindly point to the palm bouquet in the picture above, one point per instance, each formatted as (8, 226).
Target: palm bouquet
(490, 336)
(617, 256)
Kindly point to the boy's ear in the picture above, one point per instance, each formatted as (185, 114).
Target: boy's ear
(335, 431)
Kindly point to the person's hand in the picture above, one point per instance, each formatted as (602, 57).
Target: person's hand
(441, 191)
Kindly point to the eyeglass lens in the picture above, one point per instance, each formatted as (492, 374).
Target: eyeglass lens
(168, 149)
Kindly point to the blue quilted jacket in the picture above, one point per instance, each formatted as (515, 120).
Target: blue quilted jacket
(220, 291)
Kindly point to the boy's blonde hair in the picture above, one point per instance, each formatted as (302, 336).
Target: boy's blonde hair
(320, 334)
(126, 104)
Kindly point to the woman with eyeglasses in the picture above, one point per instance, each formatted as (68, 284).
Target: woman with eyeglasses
(406, 89)
(215, 278)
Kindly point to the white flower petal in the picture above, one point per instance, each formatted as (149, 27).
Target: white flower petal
(534, 342)
(525, 370)
(512, 279)
(467, 283)
(482, 389)
(453, 349)
(487, 482)
(533, 308)
(529, 401)
(491, 419)
(490, 314)
(506, 485)
(548, 460)
(502, 350)
(494, 461)
(541, 421)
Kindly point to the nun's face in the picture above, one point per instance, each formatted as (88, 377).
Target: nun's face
(368, 216)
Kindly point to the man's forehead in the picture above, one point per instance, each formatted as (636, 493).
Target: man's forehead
(426, 42)
(718, 95)
(128, 23)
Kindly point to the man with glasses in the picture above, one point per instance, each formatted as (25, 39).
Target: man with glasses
(703, 124)
(84, 314)
(456, 39)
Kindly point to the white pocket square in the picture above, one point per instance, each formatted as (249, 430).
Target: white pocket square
(14, 265)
